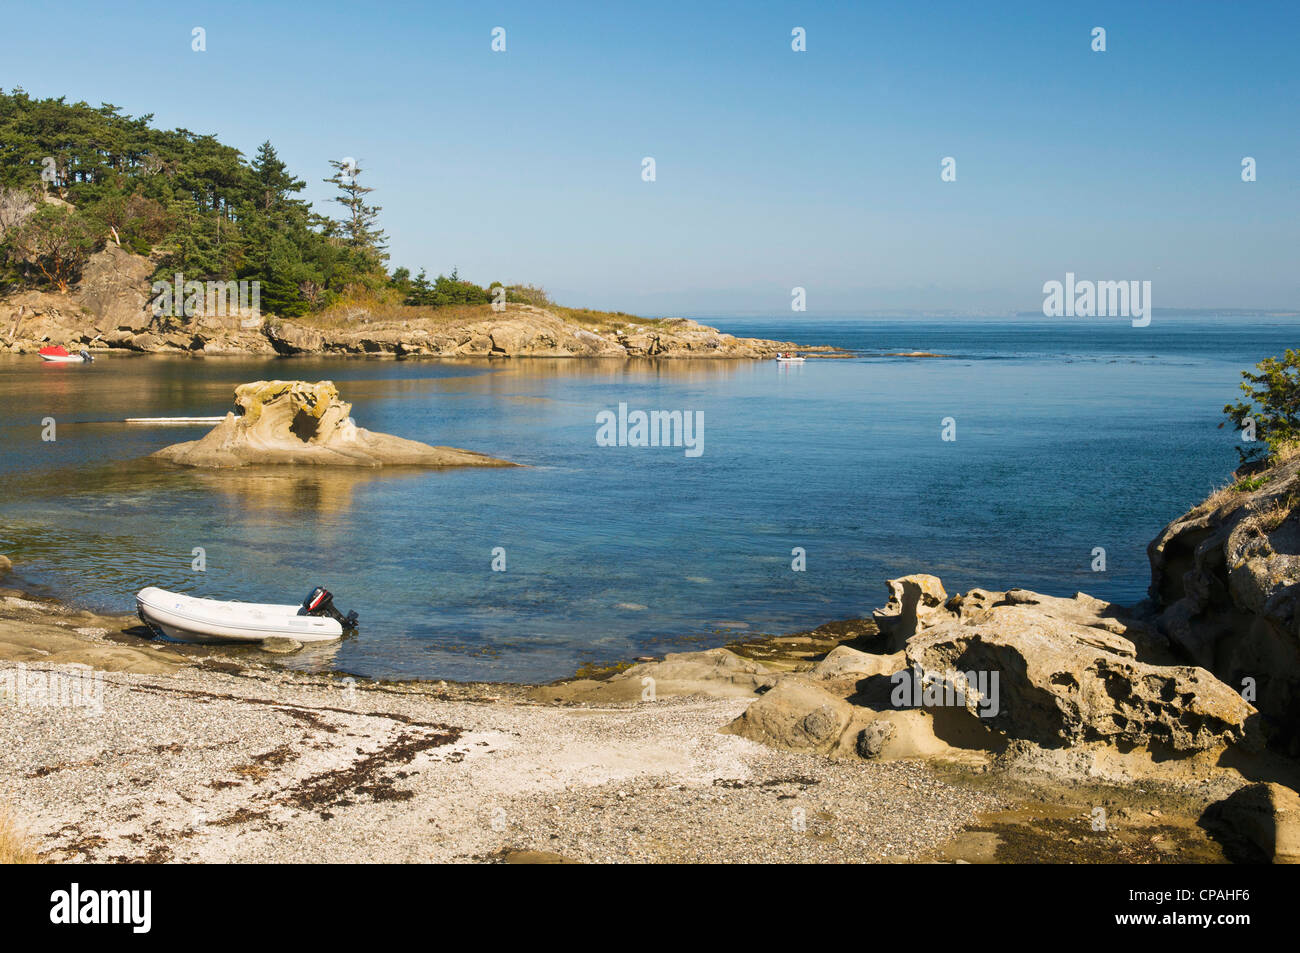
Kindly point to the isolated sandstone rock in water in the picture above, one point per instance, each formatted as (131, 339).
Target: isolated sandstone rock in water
(296, 422)
(1266, 816)
(1066, 677)
(1225, 581)
(5, 565)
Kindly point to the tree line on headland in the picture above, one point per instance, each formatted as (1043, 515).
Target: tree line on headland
(74, 178)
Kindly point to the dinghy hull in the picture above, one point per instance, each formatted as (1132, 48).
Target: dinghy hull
(189, 619)
(58, 354)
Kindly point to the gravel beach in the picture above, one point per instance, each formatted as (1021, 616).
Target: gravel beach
(202, 765)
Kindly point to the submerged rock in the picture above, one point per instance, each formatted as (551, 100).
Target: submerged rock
(296, 422)
(281, 646)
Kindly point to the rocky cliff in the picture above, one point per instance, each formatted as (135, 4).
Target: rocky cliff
(1225, 592)
(110, 308)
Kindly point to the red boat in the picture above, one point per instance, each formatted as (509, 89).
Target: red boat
(58, 354)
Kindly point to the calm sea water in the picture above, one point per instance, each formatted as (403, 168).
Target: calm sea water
(1070, 436)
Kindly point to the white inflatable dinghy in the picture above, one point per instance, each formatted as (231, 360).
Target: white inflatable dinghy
(190, 619)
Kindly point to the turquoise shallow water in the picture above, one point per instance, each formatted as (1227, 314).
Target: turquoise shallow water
(1070, 436)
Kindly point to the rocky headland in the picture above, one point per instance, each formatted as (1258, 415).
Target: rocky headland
(301, 423)
(110, 309)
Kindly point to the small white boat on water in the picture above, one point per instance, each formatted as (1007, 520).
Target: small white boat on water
(789, 358)
(57, 354)
(190, 619)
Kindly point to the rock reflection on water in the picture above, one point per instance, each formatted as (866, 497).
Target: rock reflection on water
(250, 491)
(269, 493)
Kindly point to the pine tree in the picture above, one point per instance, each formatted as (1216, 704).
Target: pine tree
(357, 227)
(274, 182)
(421, 290)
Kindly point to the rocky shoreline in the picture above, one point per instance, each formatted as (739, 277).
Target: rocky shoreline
(986, 726)
(199, 753)
(109, 310)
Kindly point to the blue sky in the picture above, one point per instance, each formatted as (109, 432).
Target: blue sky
(774, 168)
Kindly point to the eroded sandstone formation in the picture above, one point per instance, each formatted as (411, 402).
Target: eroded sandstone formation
(296, 422)
(1074, 676)
(986, 667)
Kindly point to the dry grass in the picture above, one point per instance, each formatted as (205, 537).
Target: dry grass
(357, 312)
(14, 848)
(604, 320)
(1283, 451)
(1217, 500)
(361, 308)
(1229, 494)
(1277, 511)
(1270, 517)
(1265, 517)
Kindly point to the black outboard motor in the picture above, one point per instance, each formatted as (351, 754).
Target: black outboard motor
(320, 602)
(86, 356)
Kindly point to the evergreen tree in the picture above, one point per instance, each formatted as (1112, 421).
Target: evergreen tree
(401, 282)
(421, 290)
(275, 184)
(357, 227)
